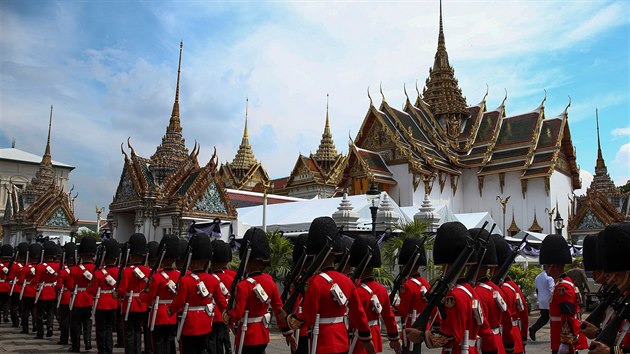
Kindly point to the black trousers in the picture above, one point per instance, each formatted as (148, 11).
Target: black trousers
(194, 344)
(219, 339)
(16, 311)
(542, 320)
(4, 306)
(417, 348)
(105, 321)
(120, 335)
(45, 315)
(302, 345)
(254, 349)
(133, 332)
(81, 322)
(64, 323)
(148, 348)
(28, 309)
(164, 339)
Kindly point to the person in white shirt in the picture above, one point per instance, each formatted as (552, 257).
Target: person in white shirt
(544, 288)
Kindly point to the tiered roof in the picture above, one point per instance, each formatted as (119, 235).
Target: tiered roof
(45, 176)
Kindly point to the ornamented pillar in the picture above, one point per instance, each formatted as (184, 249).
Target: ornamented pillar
(345, 215)
(386, 217)
(427, 215)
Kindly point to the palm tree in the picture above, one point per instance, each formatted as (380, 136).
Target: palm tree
(391, 247)
(281, 255)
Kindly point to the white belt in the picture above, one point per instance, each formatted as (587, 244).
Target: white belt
(516, 323)
(469, 342)
(165, 302)
(496, 330)
(330, 320)
(49, 284)
(107, 291)
(81, 289)
(132, 294)
(255, 319)
(555, 318)
(196, 308)
(373, 323)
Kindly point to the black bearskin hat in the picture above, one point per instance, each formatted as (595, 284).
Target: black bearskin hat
(201, 247)
(450, 240)
(6, 251)
(340, 246)
(359, 249)
(171, 243)
(183, 249)
(259, 244)
(22, 248)
(490, 258)
(154, 249)
(70, 248)
(502, 248)
(221, 252)
(50, 249)
(35, 250)
(87, 245)
(299, 243)
(321, 227)
(112, 249)
(554, 250)
(406, 251)
(483, 235)
(137, 245)
(589, 253)
(613, 247)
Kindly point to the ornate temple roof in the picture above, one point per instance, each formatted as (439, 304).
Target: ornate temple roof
(244, 158)
(601, 180)
(326, 152)
(45, 176)
(172, 151)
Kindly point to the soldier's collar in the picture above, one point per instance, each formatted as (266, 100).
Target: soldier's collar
(254, 273)
(196, 271)
(483, 279)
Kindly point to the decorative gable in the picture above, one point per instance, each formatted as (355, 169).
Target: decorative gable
(591, 221)
(58, 219)
(125, 191)
(210, 201)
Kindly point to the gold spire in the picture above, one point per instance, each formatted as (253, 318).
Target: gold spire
(513, 229)
(45, 175)
(47, 160)
(535, 226)
(600, 159)
(244, 158)
(601, 180)
(172, 151)
(326, 153)
(442, 91)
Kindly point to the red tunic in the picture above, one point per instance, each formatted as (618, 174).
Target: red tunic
(412, 297)
(226, 279)
(26, 280)
(132, 284)
(46, 277)
(459, 318)
(515, 311)
(563, 310)
(246, 300)
(159, 288)
(496, 315)
(333, 337)
(106, 299)
(64, 282)
(78, 279)
(523, 315)
(198, 321)
(366, 290)
(8, 276)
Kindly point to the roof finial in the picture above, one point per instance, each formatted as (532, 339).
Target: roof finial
(441, 35)
(245, 134)
(405, 89)
(175, 114)
(568, 105)
(133, 152)
(123, 152)
(47, 160)
(326, 108)
(350, 142)
(504, 98)
(599, 147)
(370, 97)
(382, 94)
(486, 95)
(544, 99)
(417, 91)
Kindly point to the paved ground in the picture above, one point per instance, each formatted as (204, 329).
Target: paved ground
(11, 341)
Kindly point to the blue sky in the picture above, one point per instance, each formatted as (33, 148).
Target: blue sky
(109, 68)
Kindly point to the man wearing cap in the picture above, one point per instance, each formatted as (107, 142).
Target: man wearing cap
(132, 283)
(29, 287)
(6, 255)
(81, 301)
(64, 291)
(102, 287)
(197, 294)
(563, 307)
(253, 297)
(219, 339)
(160, 294)
(327, 298)
(45, 278)
(373, 296)
(413, 291)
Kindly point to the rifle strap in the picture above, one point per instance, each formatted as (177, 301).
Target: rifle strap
(423, 289)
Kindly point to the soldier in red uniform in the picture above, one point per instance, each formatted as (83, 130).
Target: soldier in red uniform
(563, 307)
(461, 317)
(45, 278)
(253, 298)
(29, 287)
(160, 294)
(151, 258)
(327, 299)
(6, 253)
(613, 248)
(15, 285)
(197, 294)
(132, 283)
(412, 292)
(513, 298)
(373, 297)
(102, 287)
(497, 313)
(81, 301)
(64, 291)
(299, 244)
(219, 339)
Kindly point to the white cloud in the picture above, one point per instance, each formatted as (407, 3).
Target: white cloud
(622, 159)
(621, 131)
(586, 178)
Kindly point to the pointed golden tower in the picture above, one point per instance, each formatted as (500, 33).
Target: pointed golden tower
(45, 176)
(172, 151)
(601, 180)
(326, 154)
(442, 91)
(244, 158)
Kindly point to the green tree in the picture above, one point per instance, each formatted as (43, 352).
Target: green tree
(391, 247)
(83, 233)
(281, 255)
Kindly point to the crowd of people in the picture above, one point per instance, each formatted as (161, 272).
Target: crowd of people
(180, 295)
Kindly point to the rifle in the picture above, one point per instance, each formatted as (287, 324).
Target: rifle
(6, 276)
(312, 268)
(63, 287)
(608, 335)
(155, 267)
(294, 274)
(358, 270)
(501, 274)
(482, 248)
(123, 263)
(240, 274)
(446, 282)
(344, 261)
(25, 265)
(100, 257)
(405, 272)
(608, 294)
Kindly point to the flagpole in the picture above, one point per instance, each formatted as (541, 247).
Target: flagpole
(264, 218)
